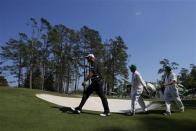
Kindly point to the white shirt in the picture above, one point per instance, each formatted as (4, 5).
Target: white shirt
(137, 81)
(171, 77)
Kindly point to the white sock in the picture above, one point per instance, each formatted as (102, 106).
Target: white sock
(168, 106)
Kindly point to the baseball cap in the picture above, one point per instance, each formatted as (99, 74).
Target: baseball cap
(90, 55)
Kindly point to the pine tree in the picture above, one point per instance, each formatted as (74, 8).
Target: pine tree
(15, 51)
(115, 61)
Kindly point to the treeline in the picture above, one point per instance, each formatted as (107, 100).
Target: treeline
(52, 56)
(186, 77)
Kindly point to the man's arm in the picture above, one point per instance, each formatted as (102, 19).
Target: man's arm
(88, 77)
(141, 80)
(143, 83)
(173, 80)
(171, 83)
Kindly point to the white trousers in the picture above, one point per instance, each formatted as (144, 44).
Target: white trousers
(172, 94)
(137, 98)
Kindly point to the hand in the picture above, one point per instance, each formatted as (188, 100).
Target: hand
(84, 83)
(146, 90)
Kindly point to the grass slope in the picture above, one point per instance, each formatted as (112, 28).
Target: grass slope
(20, 110)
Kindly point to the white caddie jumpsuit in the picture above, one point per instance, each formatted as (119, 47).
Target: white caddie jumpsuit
(171, 93)
(137, 88)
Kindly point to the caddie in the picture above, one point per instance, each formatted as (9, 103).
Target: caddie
(138, 84)
(171, 91)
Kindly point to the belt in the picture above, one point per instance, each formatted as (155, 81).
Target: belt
(96, 78)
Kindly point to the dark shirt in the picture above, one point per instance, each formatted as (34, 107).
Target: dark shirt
(95, 69)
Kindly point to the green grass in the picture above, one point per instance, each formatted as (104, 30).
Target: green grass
(20, 110)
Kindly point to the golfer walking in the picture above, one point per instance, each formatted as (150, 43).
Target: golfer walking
(96, 85)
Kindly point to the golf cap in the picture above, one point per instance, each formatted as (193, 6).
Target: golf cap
(133, 67)
(90, 55)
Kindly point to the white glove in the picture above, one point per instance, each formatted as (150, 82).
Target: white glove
(85, 83)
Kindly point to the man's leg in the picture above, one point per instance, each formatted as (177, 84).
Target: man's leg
(179, 103)
(167, 98)
(176, 97)
(168, 106)
(86, 95)
(142, 104)
(100, 92)
(134, 100)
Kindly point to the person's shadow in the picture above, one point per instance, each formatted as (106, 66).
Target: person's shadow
(64, 109)
(68, 110)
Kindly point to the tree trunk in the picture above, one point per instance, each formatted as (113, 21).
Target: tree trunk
(19, 73)
(75, 86)
(30, 77)
(43, 76)
(68, 80)
(84, 72)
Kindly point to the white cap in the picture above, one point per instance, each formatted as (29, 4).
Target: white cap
(90, 55)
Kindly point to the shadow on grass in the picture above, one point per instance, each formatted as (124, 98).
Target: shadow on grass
(68, 110)
(113, 129)
(63, 109)
(155, 123)
(189, 103)
(150, 112)
(167, 123)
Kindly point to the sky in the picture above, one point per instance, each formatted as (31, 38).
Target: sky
(152, 29)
